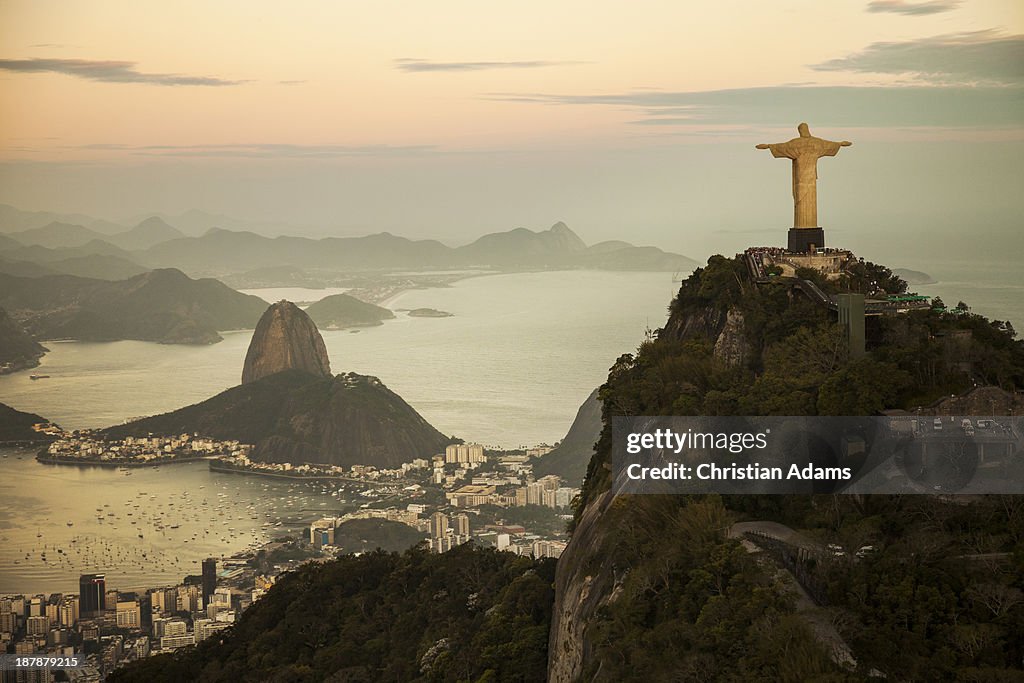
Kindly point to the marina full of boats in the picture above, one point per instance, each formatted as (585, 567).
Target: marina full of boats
(144, 530)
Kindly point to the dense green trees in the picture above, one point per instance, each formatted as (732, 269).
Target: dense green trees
(940, 593)
(465, 615)
(689, 604)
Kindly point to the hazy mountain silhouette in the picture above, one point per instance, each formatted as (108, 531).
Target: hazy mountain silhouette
(149, 232)
(96, 259)
(226, 251)
(24, 268)
(522, 247)
(58, 234)
(13, 219)
(163, 305)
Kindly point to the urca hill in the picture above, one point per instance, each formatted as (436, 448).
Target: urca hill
(293, 409)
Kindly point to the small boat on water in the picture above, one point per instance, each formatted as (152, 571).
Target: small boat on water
(39, 377)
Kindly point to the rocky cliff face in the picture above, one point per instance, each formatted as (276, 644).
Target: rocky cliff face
(706, 323)
(584, 581)
(732, 346)
(285, 339)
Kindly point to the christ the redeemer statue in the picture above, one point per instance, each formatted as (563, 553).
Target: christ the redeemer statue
(805, 152)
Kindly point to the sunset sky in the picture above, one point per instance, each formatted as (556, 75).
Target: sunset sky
(632, 120)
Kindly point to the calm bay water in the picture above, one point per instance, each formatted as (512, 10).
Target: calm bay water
(121, 524)
(993, 289)
(511, 367)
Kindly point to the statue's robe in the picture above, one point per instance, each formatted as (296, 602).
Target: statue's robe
(805, 152)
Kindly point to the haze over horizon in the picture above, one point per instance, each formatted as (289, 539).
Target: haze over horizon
(454, 120)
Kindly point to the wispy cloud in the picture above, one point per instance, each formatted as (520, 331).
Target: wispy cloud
(988, 56)
(913, 8)
(423, 65)
(908, 106)
(107, 71)
(264, 150)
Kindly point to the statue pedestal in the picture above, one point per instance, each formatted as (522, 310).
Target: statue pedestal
(802, 240)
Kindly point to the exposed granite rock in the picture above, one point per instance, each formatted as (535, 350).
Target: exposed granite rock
(732, 346)
(707, 323)
(285, 339)
(584, 581)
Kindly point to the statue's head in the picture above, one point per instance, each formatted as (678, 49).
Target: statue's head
(804, 129)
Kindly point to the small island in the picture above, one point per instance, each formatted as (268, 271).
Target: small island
(340, 311)
(429, 313)
(914, 277)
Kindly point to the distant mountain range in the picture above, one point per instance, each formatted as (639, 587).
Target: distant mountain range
(225, 251)
(57, 234)
(13, 219)
(162, 305)
(72, 249)
(50, 240)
